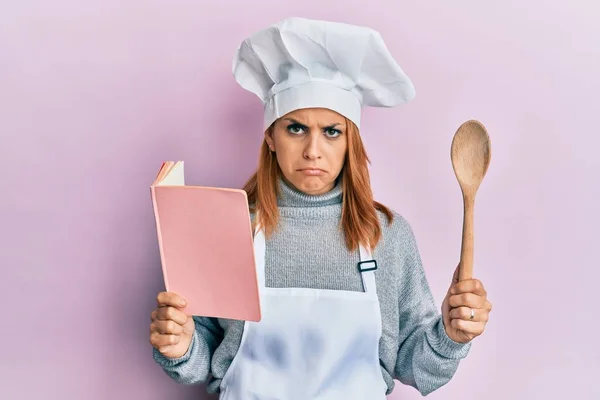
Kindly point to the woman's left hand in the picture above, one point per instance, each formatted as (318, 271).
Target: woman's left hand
(465, 309)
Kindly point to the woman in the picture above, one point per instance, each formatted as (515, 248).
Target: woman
(345, 300)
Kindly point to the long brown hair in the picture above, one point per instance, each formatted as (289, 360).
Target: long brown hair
(359, 221)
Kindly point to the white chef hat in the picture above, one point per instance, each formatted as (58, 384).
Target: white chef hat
(302, 63)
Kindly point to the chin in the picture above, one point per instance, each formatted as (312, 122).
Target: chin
(313, 185)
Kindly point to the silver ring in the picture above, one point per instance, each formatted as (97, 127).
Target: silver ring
(472, 314)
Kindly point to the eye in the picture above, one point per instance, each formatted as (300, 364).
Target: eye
(295, 129)
(332, 133)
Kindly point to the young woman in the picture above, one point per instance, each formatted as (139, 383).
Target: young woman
(346, 303)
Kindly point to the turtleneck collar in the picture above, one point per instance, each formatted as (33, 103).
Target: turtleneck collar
(294, 203)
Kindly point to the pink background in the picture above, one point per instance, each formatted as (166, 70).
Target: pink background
(94, 95)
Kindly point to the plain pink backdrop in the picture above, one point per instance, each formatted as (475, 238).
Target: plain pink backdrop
(95, 95)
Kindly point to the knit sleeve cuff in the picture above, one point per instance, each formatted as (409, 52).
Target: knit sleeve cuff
(172, 362)
(440, 341)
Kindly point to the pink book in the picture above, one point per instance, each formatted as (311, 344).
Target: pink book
(206, 246)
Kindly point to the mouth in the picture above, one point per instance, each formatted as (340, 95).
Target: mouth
(312, 171)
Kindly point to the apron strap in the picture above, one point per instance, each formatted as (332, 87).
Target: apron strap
(259, 257)
(367, 267)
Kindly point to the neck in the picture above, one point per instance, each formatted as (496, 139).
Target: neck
(293, 202)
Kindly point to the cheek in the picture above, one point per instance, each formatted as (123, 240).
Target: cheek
(286, 159)
(340, 155)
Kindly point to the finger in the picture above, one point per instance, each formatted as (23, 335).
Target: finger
(166, 327)
(464, 313)
(469, 285)
(160, 340)
(470, 300)
(170, 299)
(456, 274)
(469, 327)
(171, 313)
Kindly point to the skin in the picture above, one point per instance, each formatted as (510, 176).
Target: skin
(310, 147)
(462, 296)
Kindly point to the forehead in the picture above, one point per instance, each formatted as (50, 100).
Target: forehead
(313, 116)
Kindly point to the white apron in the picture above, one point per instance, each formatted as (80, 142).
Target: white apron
(310, 344)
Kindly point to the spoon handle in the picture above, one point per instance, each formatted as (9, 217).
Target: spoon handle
(466, 251)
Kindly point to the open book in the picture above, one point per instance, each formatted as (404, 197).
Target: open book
(206, 246)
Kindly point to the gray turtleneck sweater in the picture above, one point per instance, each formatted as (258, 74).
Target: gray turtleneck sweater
(308, 250)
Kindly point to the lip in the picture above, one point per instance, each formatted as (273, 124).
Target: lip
(312, 171)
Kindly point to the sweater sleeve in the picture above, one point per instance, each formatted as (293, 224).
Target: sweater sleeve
(194, 366)
(427, 357)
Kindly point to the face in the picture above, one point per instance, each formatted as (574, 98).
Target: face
(310, 145)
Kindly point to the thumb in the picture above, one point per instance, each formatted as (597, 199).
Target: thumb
(455, 276)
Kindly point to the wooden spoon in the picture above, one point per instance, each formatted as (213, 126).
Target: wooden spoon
(470, 154)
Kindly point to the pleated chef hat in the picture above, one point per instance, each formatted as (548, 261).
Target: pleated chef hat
(302, 63)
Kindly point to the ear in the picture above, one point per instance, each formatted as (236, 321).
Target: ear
(269, 138)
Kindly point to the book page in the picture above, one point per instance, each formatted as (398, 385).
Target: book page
(175, 177)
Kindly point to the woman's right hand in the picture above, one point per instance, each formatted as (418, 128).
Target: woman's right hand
(171, 330)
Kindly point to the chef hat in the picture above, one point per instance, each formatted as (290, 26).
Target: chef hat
(301, 63)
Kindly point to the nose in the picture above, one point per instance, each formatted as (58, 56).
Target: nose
(312, 151)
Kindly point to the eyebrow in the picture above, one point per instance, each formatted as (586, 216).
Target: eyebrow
(330, 126)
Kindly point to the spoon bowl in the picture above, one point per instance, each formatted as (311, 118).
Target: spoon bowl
(470, 155)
